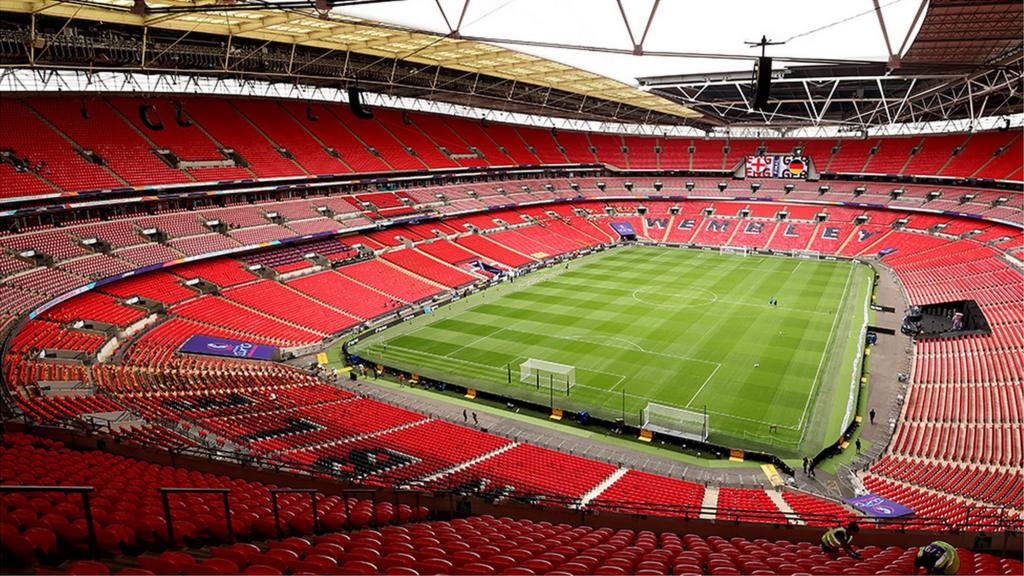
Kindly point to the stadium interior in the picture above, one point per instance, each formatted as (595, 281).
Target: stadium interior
(217, 216)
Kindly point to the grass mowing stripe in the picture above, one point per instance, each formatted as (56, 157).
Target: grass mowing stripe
(831, 334)
(703, 334)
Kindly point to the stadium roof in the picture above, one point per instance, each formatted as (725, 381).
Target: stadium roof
(279, 23)
(853, 64)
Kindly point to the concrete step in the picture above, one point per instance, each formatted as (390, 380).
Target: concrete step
(603, 485)
(784, 506)
(710, 502)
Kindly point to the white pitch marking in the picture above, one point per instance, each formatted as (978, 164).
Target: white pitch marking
(647, 398)
(616, 338)
(714, 298)
(706, 380)
(831, 334)
(478, 340)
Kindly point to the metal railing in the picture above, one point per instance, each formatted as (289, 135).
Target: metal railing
(165, 497)
(83, 491)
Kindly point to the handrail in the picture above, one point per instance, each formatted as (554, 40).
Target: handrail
(1000, 517)
(83, 491)
(277, 515)
(165, 493)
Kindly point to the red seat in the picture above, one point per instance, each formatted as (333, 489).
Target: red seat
(42, 539)
(87, 567)
(158, 565)
(358, 567)
(475, 568)
(18, 547)
(262, 570)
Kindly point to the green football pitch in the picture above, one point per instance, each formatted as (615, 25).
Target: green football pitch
(680, 328)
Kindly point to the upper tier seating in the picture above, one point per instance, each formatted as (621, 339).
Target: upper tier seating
(233, 130)
(47, 153)
(328, 129)
(177, 133)
(488, 545)
(412, 137)
(977, 152)
(290, 139)
(275, 121)
(94, 306)
(95, 125)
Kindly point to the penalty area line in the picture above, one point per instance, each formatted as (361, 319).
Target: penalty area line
(706, 380)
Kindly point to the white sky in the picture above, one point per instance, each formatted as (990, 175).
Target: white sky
(719, 26)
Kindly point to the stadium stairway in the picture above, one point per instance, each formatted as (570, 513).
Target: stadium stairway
(784, 506)
(353, 438)
(603, 485)
(709, 503)
(468, 463)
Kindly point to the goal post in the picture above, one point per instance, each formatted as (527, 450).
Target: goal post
(542, 372)
(808, 254)
(735, 250)
(672, 421)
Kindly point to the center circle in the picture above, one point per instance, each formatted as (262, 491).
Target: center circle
(674, 296)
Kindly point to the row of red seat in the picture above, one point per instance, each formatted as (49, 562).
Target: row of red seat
(486, 545)
(998, 486)
(523, 474)
(325, 139)
(126, 505)
(95, 306)
(827, 237)
(960, 429)
(42, 335)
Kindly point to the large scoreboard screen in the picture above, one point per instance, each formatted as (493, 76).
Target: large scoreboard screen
(777, 166)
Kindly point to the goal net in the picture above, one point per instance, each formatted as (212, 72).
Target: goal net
(808, 254)
(544, 373)
(737, 250)
(673, 421)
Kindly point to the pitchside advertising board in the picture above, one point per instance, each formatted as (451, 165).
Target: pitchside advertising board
(878, 507)
(777, 166)
(209, 345)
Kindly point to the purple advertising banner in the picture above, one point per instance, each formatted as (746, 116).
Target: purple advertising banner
(879, 507)
(203, 344)
(623, 228)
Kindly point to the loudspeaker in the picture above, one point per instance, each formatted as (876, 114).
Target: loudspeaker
(355, 103)
(763, 82)
(150, 117)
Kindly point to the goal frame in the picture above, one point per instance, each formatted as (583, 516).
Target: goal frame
(807, 254)
(539, 372)
(734, 250)
(700, 417)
